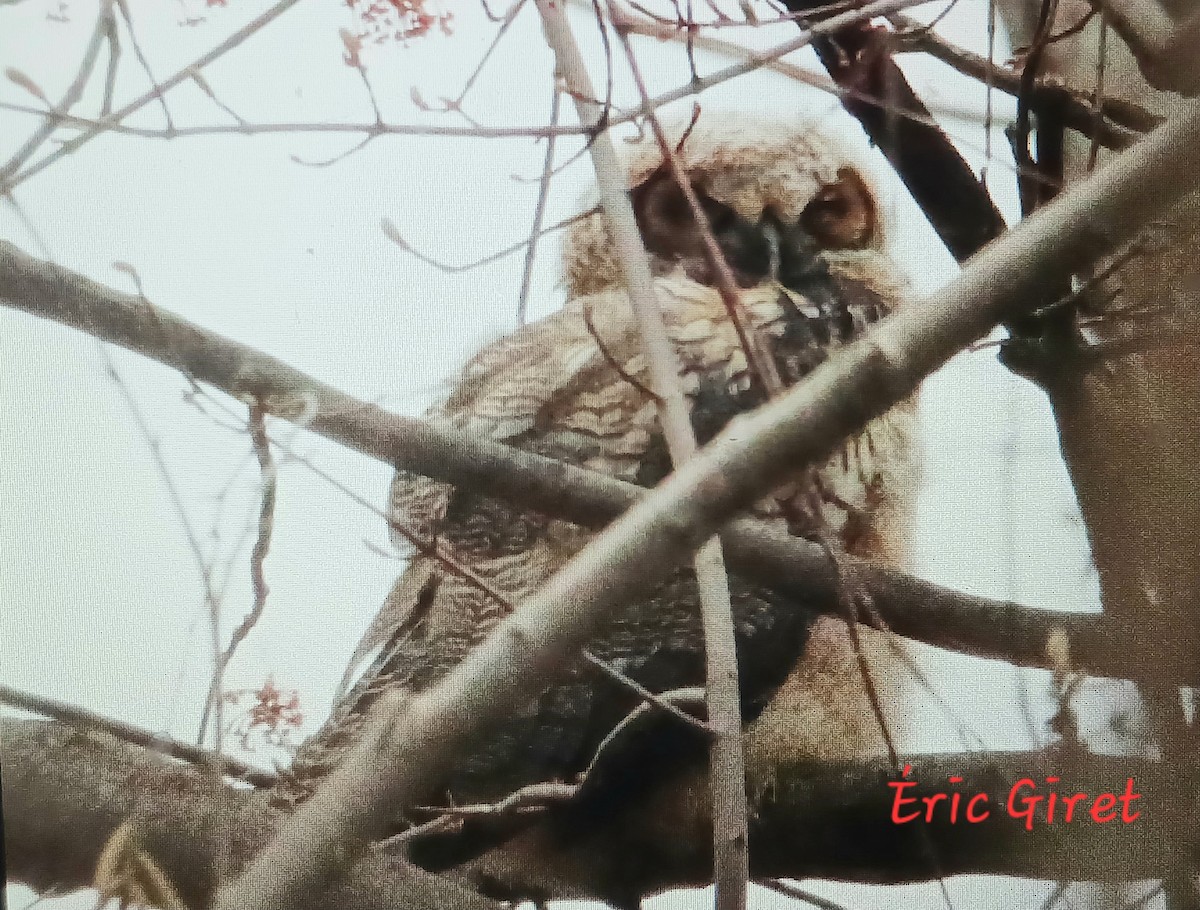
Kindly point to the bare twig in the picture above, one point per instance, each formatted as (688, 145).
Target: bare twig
(204, 566)
(370, 128)
(434, 549)
(258, 578)
(801, 894)
(1098, 104)
(56, 116)
(123, 6)
(9, 181)
(88, 720)
(1121, 121)
(113, 122)
(539, 211)
(408, 742)
(1036, 193)
(510, 16)
(762, 367)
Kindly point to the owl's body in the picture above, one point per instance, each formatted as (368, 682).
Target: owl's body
(573, 387)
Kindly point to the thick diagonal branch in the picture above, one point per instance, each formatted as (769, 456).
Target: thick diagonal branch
(859, 58)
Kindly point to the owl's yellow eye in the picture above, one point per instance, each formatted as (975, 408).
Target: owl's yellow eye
(842, 215)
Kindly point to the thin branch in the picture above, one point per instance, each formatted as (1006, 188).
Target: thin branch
(123, 6)
(509, 18)
(1122, 121)
(203, 564)
(9, 181)
(539, 211)
(762, 367)
(408, 742)
(370, 129)
(87, 720)
(825, 83)
(1098, 107)
(70, 98)
(797, 893)
(112, 122)
(258, 579)
(393, 234)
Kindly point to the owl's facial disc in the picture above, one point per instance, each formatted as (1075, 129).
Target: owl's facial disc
(841, 216)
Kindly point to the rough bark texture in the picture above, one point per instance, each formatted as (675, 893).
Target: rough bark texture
(1124, 382)
(65, 792)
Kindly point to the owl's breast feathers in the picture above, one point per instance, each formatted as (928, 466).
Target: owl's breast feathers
(572, 387)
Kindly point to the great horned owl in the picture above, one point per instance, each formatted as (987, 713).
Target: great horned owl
(801, 229)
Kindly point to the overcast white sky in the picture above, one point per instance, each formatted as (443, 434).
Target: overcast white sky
(100, 597)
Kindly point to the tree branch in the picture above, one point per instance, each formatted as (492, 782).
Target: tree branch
(859, 57)
(728, 767)
(910, 606)
(87, 720)
(66, 791)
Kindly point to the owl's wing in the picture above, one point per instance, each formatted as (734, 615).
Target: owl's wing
(552, 378)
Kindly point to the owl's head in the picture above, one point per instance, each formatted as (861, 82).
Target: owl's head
(776, 195)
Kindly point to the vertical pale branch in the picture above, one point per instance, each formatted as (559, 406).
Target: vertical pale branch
(539, 212)
(727, 765)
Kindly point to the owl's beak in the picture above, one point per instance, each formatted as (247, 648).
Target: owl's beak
(797, 264)
(769, 250)
(800, 260)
